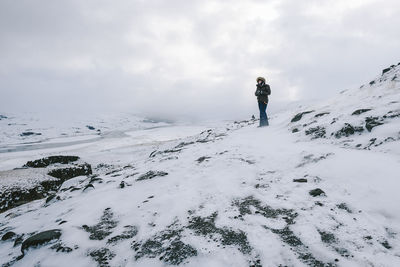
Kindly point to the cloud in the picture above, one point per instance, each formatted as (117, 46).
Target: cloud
(195, 59)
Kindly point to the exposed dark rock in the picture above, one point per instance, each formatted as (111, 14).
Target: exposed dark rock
(205, 226)
(103, 228)
(71, 172)
(150, 175)
(317, 192)
(371, 122)
(59, 247)
(316, 132)
(392, 114)
(9, 235)
(359, 111)
(29, 133)
(244, 206)
(102, 256)
(327, 237)
(348, 130)
(295, 130)
(201, 159)
(321, 114)
(17, 196)
(311, 158)
(300, 115)
(2, 117)
(301, 180)
(19, 239)
(371, 82)
(44, 162)
(88, 186)
(156, 152)
(343, 206)
(249, 161)
(386, 244)
(40, 239)
(166, 245)
(302, 251)
(50, 198)
(385, 70)
(90, 127)
(129, 232)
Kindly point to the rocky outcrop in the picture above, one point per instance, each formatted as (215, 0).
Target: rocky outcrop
(300, 115)
(40, 239)
(45, 162)
(40, 178)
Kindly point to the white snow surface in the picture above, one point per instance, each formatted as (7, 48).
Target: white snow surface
(360, 210)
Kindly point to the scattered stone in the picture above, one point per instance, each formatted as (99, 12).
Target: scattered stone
(359, 111)
(29, 133)
(301, 180)
(103, 228)
(9, 235)
(300, 115)
(102, 256)
(71, 172)
(348, 130)
(368, 237)
(201, 159)
(40, 239)
(316, 132)
(45, 162)
(150, 175)
(317, 192)
(319, 204)
(386, 244)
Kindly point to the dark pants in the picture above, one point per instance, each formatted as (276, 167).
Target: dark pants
(263, 115)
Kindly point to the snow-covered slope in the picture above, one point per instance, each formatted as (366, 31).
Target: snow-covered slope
(226, 195)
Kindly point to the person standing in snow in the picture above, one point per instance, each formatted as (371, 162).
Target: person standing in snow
(262, 92)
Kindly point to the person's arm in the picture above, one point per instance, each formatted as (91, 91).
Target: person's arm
(268, 89)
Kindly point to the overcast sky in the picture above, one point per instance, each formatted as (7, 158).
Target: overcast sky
(196, 58)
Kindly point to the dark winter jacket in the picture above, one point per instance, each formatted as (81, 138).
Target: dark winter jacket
(262, 92)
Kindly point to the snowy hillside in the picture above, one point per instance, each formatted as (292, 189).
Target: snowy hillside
(318, 187)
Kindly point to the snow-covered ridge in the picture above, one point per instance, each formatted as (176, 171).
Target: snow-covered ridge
(365, 118)
(227, 195)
